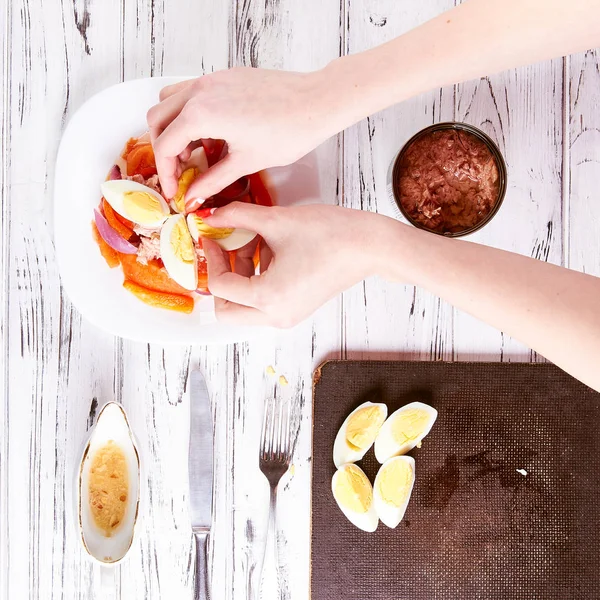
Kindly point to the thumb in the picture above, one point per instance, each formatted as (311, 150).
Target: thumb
(217, 178)
(243, 215)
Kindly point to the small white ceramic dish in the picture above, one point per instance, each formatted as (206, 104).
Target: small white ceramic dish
(111, 425)
(93, 138)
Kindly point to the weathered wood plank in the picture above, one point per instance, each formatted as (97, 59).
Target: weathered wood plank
(582, 198)
(5, 21)
(176, 38)
(385, 321)
(282, 34)
(58, 56)
(522, 111)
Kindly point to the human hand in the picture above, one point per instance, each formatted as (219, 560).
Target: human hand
(268, 118)
(309, 254)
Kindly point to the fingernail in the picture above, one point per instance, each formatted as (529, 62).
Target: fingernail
(212, 211)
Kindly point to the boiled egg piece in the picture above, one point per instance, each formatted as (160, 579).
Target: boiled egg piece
(404, 429)
(393, 487)
(109, 487)
(136, 202)
(353, 493)
(228, 239)
(178, 253)
(185, 180)
(358, 432)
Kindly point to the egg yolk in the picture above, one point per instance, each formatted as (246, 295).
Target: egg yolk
(181, 242)
(184, 183)
(108, 487)
(394, 482)
(353, 490)
(212, 233)
(408, 425)
(363, 427)
(142, 207)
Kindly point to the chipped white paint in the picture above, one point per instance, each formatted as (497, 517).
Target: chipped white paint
(57, 369)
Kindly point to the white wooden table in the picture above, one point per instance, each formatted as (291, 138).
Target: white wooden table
(57, 369)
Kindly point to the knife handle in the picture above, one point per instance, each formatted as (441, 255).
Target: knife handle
(201, 574)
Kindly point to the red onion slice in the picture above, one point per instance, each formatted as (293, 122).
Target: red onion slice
(111, 237)
(115, 173)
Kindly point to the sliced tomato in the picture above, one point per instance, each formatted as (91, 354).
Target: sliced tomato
(258, 190)
(141, 161)
(110, 255)
(131, 142)
(215, 150)
(235, 190)
(123, 230)
(180, 303)
(151, 276)
(202, 275)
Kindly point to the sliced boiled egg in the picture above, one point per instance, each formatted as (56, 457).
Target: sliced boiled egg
(136, 202)
(358, 432)
(228, 239)
(404, 429)
(185, 180)
(178, 253)
(353, 493)
(392, 489)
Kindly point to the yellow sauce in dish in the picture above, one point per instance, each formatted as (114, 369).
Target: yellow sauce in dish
(108, 487)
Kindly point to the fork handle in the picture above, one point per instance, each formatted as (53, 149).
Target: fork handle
(271, 536)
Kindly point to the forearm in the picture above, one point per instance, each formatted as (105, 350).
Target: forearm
(553, 310)
(477, 38)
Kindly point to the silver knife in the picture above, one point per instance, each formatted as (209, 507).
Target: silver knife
(200, 471)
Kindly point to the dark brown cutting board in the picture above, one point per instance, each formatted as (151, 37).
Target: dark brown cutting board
(475, 528)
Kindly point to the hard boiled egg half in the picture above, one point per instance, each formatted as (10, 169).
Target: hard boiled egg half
(136, 202)
(353, 493)
(392, 489)
(358, 432)
(404, 429)
(178, 253)
(228, 239)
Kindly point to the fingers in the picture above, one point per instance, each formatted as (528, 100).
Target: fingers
(167, 146)
(244, 259)
(217, 178)
(169, 90)
(260, 219)
(236, 314)
(266, 255)
(224, 284)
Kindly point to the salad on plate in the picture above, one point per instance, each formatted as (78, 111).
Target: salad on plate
(156, 243)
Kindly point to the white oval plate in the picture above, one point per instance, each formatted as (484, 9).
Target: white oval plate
(91, 142)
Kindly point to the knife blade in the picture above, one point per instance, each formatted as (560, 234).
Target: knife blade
(200, 472)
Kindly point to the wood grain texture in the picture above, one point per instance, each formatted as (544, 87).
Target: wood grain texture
(282, 34)
(522, 111)
(57, 370)
(583, 152)
(381, 320)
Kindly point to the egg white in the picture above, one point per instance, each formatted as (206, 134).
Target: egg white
(342, 452)
(114, 191)
(237, 239)
(185, 274)
(366, 521)
(388, 513)
(385, 444)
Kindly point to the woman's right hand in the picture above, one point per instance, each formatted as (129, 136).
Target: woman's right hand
(268, 118)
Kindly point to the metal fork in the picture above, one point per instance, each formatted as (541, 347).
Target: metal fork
(274, 460)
